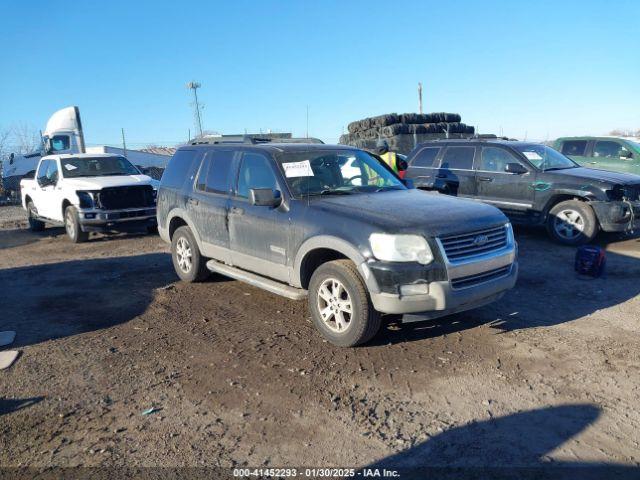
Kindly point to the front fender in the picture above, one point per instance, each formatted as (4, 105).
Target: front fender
(339, 245)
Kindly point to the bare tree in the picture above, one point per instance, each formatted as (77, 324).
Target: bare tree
(26, 139)
(625, 132)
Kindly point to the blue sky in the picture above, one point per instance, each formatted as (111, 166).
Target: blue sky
(543, 69)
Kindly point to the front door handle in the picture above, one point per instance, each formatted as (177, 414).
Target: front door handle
(441, 175)
(236, 211)
(485, 179)
(192, 201)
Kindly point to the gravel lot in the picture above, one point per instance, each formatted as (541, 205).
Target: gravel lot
(548, 375)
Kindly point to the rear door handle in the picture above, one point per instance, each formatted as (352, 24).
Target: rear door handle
(441, 175)
(236, 211)
(485, 179)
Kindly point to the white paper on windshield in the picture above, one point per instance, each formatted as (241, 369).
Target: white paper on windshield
(69, 166)
(298, 169)
(532, 155)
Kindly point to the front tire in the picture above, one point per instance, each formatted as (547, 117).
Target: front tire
(572, 223)
(340, 304)
(35, 225)
(188, 262)
(72, 226)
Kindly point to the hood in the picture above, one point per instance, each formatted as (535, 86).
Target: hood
(599, 175)
(413, 211)
(97, 183)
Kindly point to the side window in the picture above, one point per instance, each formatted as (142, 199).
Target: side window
(495, 159)
(608, 149)
(255, 172)
(458, 158)
(52, 171)
(179, 168)
(219, 175)
(425, 157)
(60, 143)
(574, 147)
(42, 169)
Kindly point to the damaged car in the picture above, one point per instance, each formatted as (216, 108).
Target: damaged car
(335, 226)
(532, 184)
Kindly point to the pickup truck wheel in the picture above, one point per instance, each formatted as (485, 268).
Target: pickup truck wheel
(340, 304)
(35, 225)
(72, 226)
(188, 262)
(572, 223)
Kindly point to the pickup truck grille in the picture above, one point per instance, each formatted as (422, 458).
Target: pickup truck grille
(116, 198)
(473, 280)
(466, 245)
(632, 193)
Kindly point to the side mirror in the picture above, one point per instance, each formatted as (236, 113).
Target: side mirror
(408, 182)
(626, 155)
(264, 197)
(11, 157)
(401, 164)
(43, 181)
(516, 168)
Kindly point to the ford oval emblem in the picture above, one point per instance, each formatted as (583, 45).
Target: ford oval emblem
(480, 240)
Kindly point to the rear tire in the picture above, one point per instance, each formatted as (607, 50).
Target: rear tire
(572, 223)
(341, 306)
(35, 225)
(72, 226)
(188, 262)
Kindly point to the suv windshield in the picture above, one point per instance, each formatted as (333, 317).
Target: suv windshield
(97, 167)
(545, 158)
(336, 172)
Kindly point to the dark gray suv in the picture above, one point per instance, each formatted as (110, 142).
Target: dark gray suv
(333, 224)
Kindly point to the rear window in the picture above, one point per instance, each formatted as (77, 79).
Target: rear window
(574, 147)
(458, 158)
(178, 168)
(426, 157)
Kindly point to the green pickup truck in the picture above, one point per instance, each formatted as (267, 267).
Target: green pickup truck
(616, 154)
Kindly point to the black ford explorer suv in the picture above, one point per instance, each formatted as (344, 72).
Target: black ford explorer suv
(333, 224)
(532, 184)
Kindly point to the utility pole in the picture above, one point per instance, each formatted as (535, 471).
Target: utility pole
(419, 97)
(124, 144)
(196, 106)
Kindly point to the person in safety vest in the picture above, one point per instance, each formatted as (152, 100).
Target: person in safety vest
(390, 158)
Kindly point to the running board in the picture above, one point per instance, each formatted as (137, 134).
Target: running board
(257, 281)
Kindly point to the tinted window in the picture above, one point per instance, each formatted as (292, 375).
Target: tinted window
(59, 143)
(425, 157)
(219, 175)
(495, 159)
(255, 172)
(574, 147)
(178, 168)
(458, 158)
(609, 150)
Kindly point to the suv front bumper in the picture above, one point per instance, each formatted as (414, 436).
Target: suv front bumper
(617, 216)
(100, 220)
(467, 285)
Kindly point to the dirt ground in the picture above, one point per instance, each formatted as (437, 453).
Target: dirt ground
(549, 375)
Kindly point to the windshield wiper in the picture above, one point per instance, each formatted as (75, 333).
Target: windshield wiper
(333, 192)
(556, 168)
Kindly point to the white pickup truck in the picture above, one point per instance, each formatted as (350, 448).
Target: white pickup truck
(89, 192)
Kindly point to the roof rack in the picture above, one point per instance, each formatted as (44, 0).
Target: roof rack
(245, 140)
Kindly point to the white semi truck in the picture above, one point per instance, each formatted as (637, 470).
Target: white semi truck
(64, 135)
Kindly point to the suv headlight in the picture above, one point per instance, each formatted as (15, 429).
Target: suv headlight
(400, 248)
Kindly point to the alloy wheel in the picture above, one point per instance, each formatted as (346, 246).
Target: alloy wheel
(334, 305)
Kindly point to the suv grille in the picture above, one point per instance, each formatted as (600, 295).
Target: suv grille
(632, 193)
(479, 278)
(460, 247)
(115, 198)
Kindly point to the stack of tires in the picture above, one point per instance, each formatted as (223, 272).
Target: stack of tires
(404, 131)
